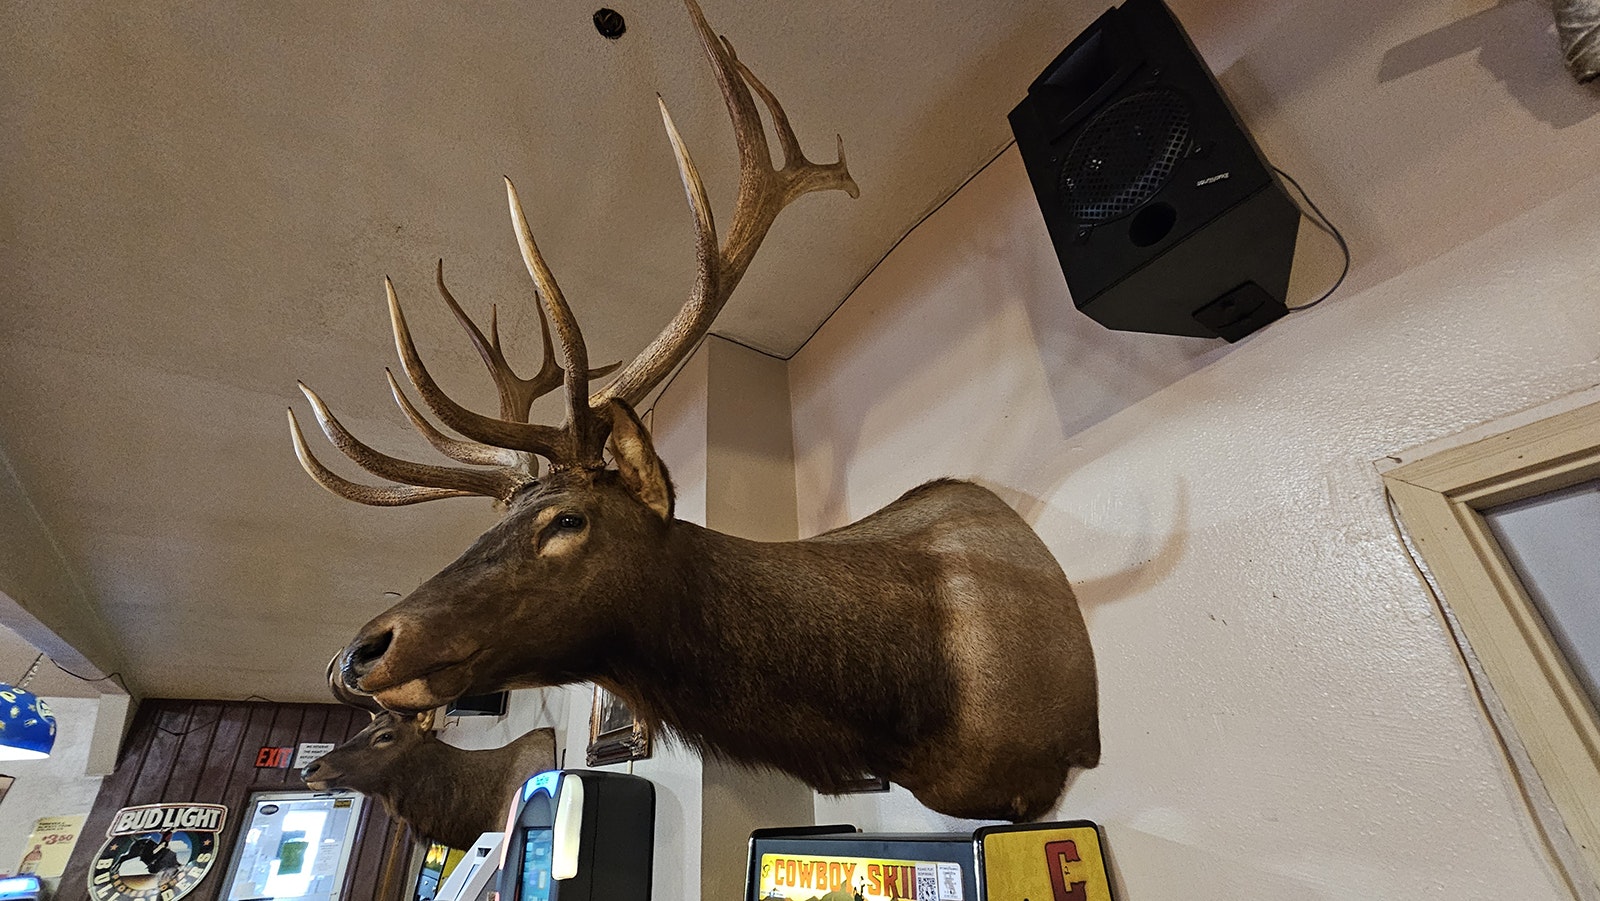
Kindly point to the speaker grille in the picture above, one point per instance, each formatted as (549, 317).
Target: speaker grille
(1124, 155)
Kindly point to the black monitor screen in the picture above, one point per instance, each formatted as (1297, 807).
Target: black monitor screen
(537, 845)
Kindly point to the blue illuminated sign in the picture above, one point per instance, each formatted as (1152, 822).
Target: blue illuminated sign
(19, 887)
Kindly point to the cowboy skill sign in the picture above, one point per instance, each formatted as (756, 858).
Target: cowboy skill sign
(156, 852)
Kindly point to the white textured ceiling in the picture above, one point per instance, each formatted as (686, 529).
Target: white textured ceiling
(199, 201)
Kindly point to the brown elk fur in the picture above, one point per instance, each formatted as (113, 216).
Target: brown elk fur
(445, 794)
(936, 642)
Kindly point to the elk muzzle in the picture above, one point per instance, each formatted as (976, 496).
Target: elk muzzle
(316, 777)
(363, 656)
(406, 667)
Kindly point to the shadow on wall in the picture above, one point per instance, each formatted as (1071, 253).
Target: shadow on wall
(1150, 555)
(1515, 42)
(1402, 141)
(668, 880)
(1092, 371)
(1193, 872)
(987, 261)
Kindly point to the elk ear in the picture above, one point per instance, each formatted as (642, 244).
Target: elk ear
(642, 471)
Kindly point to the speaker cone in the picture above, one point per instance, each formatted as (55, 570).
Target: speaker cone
(1124, 155)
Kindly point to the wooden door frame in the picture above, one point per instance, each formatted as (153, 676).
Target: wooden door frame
(1440, 499)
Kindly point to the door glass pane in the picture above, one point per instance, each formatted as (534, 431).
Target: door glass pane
(1553, 542)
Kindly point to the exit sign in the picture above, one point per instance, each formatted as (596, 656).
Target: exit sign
(274, 758)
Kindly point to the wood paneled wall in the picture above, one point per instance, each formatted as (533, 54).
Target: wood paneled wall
(205, 752)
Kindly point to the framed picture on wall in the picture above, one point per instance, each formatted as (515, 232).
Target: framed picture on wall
(5, 786)
(864, 785)
(615, 734)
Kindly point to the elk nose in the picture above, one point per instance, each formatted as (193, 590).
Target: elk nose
(308, 773)
(364, 655)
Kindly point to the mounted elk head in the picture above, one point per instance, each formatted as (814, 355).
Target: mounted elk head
(445, 794)
(936, 643)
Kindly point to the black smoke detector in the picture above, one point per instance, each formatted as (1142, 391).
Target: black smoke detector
(609, 23)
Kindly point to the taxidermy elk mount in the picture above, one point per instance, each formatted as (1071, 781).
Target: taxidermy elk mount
(935, 643)
(445, 794)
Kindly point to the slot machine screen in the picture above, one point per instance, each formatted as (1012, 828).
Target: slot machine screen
(537, 845)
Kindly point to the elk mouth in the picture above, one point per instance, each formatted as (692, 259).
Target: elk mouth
(324, 780)
(431, 688)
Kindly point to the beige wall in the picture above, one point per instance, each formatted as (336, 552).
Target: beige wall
(1283, 715)
(55, 786)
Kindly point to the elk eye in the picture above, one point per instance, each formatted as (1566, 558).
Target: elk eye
(383, 738)
(569, 521)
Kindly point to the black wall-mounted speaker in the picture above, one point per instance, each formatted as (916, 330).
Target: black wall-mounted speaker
(1162, 210)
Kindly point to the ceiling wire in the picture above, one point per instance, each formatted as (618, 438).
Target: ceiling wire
(892, 248)
(1321, 220)
(28, 676)
(1326, 225)
(116, 676)
(683, 361)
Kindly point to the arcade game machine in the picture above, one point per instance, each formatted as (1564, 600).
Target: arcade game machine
(1031, 862)
(580, 835)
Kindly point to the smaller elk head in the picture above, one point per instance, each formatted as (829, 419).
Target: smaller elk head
(443, 793)
(378, 755)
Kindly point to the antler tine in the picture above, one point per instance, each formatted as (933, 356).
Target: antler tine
(536, 439)
(499, 484)
(517, 394)
(584, 429)
(763, 193)
(386, 496)
(462, 451)
(763, 190)
(830, 175)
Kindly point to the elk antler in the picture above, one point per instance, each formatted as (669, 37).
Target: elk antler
(763, 193)
(504, 443)
(510, 468)
(516, 394)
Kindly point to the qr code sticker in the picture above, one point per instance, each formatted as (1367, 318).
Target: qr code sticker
(950, 882)
(927, 882)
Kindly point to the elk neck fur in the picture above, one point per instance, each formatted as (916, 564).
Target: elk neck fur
(935, 643)
(861, 651)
